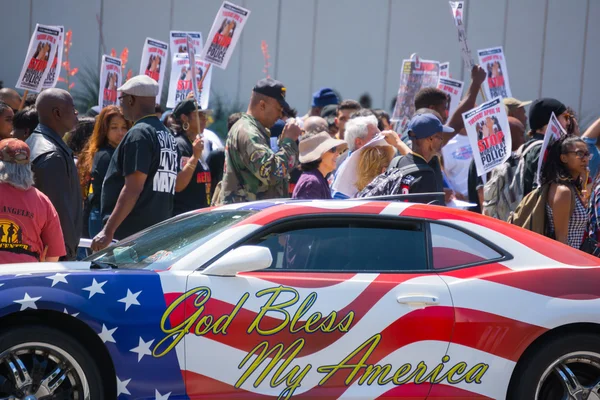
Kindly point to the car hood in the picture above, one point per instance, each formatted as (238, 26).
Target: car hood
(43, 267)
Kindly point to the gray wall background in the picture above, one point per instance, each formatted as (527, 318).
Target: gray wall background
(354, 46)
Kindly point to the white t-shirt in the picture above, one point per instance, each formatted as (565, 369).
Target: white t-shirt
(211, 142)
(457, 158)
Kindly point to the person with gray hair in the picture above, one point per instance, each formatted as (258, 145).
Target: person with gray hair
(29, 225)
(52, 162)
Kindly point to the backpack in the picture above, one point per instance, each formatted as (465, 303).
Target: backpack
(504, 190)
(531, 211)
(396, 180)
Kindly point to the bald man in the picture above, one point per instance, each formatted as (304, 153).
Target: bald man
(10, 97)
(314, 125)
(52, 163)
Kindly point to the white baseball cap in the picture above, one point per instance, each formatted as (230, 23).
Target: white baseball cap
(141, 85)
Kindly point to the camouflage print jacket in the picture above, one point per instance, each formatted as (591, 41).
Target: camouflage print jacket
(252, 170)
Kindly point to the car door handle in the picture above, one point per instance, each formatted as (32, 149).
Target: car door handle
(419, 300)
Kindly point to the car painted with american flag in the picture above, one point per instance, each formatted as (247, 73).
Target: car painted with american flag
(356, 299)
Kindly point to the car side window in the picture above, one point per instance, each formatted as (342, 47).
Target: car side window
(454, 248)
(348, 246)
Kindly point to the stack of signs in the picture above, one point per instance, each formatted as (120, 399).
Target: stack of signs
(494, 62)
(55, 68)
(452, 88)
(154, 57)
(445, 70)
(110, 80)
(181, 83)
(179, 42)
(458, 13)
(415, 75)
(489, 134)
(40, 57)
(553, 132)
(224, 34)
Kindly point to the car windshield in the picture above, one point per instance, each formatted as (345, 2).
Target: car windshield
(161, 245)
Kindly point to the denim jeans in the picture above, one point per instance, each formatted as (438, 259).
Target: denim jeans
(95, 222)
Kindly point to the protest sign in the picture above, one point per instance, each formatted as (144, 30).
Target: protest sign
(54, 73)
(110, 80)
(445, 70)
(154, 57)
(415, 75)
(40, 57)
(179, 40)
(494, 62)
(553, 132)
(452, 88)
(224, 34)
(181, 82)
(489, 134)
(458, 13)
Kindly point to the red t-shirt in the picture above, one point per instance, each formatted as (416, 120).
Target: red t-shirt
(28, 223)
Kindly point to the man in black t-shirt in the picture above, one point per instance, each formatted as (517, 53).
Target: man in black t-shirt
(139, 187)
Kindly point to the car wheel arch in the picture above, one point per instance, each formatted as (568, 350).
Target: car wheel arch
(76, 329)
(538, 343)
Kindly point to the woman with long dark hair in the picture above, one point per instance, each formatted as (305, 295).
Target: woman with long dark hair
(109, 130)
(565, 170)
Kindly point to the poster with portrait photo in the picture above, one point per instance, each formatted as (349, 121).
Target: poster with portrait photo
(445, 70)
(39, 58)
(179, 42)
(415, 75)
(181, 84)
(493, 62)
(452, 88)
(489, 134)
(154, 62)
(110, 80)
(224, 34)
(554, 131)
(54, 72)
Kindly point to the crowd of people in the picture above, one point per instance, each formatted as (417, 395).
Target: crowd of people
(116, 171)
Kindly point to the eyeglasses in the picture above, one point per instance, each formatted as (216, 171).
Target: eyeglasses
(333, 150)
(581, 154)
(122, 97)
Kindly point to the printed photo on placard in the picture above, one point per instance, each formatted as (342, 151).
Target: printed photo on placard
(110, 80)
(224, 34)
(445, 70)
(55, 68)
(181, 84)
(179, 42)
(489, 134)
(494, 62)
(454, 89)
(39, 58)
(154, 62)
(554, 131)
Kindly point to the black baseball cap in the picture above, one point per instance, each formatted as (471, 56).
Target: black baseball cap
(541, 110)
(274, 89)
(186, 107)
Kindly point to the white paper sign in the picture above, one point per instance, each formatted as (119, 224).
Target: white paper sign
(494, 62)
(39, 58)
(55, 68)
(180, 84)
(110, 80)
(452, 88)
(224, 34)
(179, 42)
(445, 70)
(553, 132)
(458, 13)
(154, 62)
(489, 134)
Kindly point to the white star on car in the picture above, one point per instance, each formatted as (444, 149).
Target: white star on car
(159, 396)
(122, 386)
(72, 315)
(27, 302)
(58, 277)
(130, 299)
(95, 288)
(107, 334)
(143, 349)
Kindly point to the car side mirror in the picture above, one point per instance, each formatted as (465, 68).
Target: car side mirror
(241, 259)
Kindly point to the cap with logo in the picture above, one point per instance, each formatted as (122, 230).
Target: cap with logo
(14, 151)
(274, 89)
(141, 86)
(422, 126)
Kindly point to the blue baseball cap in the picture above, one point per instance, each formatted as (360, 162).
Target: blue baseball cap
(426, 125)
(324, 97)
